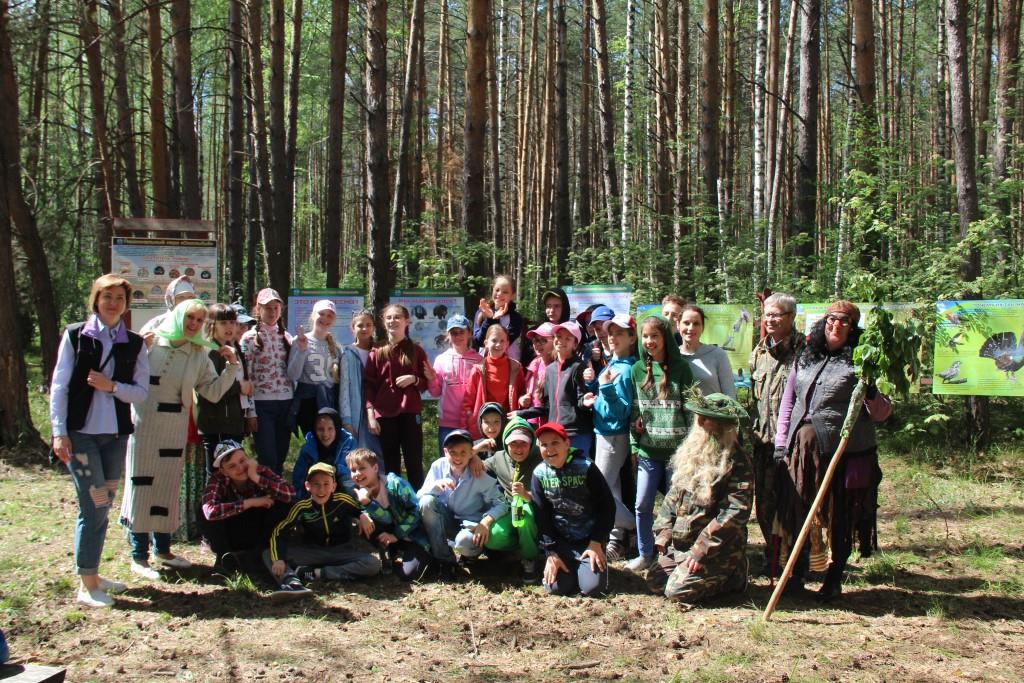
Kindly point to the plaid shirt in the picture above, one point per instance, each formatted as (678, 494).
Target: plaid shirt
(222, 498)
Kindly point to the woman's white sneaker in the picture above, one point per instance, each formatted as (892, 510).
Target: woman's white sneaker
(108, 586)
(145, 571)
(94, 598)
(174, 562)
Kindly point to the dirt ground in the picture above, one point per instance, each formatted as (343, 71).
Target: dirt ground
(944, 600)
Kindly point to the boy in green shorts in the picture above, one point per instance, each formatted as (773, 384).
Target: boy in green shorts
(513, 468)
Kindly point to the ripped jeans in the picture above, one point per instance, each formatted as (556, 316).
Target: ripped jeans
(96, 465)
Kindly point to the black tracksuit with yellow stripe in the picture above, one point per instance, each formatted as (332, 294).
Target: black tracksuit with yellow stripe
(324, 525)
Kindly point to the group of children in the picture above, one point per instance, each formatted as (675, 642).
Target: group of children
(539, 440)
(536, 440)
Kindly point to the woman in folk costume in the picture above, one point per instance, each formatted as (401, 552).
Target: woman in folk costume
(811, 415)
(179, 366)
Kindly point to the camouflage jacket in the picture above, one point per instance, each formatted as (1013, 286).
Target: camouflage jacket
(715, 534)
(769, 370)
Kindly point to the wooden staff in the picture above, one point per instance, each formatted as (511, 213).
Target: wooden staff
(851, 415)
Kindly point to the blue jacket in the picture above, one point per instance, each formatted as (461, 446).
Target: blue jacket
(615, 399)
(572, 505)
(351, 404)
(309, 456)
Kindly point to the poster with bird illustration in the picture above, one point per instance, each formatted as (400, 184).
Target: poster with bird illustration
(731, 327)
(979, 348)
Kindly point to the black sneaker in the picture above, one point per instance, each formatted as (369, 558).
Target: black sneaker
(291, 589)
(305, 573)
(615, 551)
(448, 572)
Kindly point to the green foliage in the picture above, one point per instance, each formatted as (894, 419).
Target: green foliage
(887, 354)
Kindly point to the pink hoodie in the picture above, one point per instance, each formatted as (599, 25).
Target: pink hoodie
(451, 383)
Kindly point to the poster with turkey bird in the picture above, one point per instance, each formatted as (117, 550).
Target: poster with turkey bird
(979, 348)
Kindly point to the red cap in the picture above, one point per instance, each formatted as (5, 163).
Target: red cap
(552, 427)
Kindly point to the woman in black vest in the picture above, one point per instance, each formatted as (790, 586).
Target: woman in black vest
(102, 367)
(811, 415)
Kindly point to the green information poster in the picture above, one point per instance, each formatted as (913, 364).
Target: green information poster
(731, 327)
(979, 348)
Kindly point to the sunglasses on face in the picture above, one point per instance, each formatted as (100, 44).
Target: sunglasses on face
(842, 321)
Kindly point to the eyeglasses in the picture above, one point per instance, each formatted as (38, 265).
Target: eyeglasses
(842, 321)
(775, 316)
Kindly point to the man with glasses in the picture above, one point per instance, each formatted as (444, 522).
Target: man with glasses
(770, 364)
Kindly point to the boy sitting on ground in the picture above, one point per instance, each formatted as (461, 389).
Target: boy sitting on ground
(575, 512)
(325, 548)
(242, 504)
(513, 468)
(395, 510)
(458, 507)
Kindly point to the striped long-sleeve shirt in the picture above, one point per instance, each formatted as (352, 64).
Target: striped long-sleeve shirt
(324, 525)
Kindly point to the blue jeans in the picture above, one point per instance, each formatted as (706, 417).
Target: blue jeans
(441, 525)
(273, 433)
(653, 476)
(580, 577)
(139, 543)
(96, 466)
(583, 442)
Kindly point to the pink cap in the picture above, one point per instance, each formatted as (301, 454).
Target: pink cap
(546, 330)
(324, 305)
(622, 320)
(266, 295)
(571, 327)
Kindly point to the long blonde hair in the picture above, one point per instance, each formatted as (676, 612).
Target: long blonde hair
(404, 347)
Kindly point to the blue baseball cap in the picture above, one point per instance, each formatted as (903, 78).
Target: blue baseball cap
(458, 320)
(601, 314)
(457, 436)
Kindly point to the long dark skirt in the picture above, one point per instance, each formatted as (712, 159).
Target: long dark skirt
(850, 509)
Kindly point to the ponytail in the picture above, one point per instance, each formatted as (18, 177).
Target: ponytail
(663, 386)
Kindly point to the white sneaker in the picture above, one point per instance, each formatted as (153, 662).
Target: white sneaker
(174, 562)
(145, 571)
(94, 598)
(639, 563)
(108, 586)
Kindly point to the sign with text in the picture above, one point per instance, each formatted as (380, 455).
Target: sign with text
(347, 302)
(616, 297)
(150, 265)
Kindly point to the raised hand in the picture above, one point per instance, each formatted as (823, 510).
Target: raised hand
(228, 354)
(609, 376)
(589, 400)
(428, 372)
(301, 339)
(588, 374)
(486, 309)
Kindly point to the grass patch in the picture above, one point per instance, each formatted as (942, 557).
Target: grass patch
(883, 567)
(241, 583)
(936, 610)
(74, 617)
(13, 604)
(983, 558)
(718, 670)
(760, 631)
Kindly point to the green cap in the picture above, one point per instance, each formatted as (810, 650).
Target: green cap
(320, 467)
(716, 406)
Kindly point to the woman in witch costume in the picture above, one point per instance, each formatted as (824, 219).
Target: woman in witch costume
(811, 415)
(179, 366)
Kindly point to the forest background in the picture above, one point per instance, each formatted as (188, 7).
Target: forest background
(855, 148)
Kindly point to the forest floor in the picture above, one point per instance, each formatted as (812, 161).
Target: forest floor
(943, 600)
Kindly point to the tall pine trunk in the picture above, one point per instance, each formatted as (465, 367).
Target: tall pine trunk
(181, 41)
(966, 180)
(126, 142)
(604, 87)
(406, 122)
(710, 106)
(333, 215)
(159, 170)
(379, 275)
(474, 206)
(16, 426)
(806, 180)
(235, 219)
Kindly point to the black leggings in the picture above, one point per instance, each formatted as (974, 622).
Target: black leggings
(402, 437)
